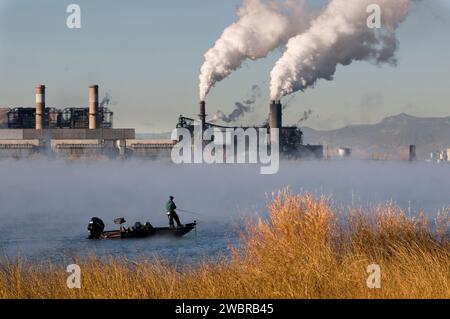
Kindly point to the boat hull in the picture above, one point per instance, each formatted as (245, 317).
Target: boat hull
(151, 232)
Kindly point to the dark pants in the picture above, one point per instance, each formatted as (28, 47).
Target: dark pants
(173, 215)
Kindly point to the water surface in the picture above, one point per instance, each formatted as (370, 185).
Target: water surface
(45, 205)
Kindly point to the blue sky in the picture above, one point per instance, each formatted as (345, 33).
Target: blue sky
(147, 55)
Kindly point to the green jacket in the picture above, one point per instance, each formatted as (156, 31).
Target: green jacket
(170, 206)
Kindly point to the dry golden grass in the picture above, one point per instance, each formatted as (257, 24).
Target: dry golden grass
(304, 250)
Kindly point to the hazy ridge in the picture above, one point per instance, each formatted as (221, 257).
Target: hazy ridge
(391, 136)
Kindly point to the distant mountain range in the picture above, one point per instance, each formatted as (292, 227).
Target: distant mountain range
(388, 139)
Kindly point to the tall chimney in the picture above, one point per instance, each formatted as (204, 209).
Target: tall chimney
(40, 106)
(412, 153)
(275, 117)
(93, 107)
(202, 114)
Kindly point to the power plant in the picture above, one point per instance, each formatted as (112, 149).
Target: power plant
(88, 131)
(75, 131)
(290, 137)
(40, 117)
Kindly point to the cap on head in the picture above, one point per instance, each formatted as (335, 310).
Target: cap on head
(171, 197)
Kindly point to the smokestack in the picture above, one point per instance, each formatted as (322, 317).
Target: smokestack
(275, 116)
(202, 114)
(40, 106)
(412, 153)
(93, 107)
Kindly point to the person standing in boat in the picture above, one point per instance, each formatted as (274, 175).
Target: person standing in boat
(171, 213)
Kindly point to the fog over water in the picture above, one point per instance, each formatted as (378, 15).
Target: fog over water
(46, 205)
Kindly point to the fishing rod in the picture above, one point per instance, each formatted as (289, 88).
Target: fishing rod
(189, 212)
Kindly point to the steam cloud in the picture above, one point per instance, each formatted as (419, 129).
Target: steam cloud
(339, 35)
(240, 108)
(262, 27)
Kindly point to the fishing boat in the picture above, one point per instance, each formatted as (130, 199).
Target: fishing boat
(96, 229)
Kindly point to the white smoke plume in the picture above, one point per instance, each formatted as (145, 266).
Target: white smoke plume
(262, 26)
(339, 35)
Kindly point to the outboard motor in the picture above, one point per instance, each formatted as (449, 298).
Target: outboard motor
(96, 227)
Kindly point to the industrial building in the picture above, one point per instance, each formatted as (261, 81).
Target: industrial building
(88, 132)
(345, 152)
(441, 156)
(71, 132)
(290, 139)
